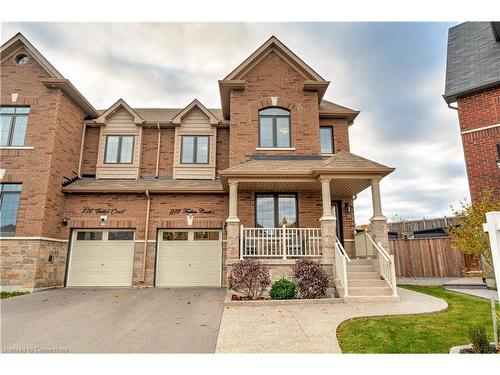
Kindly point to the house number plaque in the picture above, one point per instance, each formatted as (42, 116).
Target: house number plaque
(178, 211)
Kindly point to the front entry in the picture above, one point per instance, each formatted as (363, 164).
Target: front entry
(337, 206)
(189, 258)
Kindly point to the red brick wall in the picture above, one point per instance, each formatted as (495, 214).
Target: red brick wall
(90, 150)
(340, 133)
(273, 77)
(475, 111)
(149, 149)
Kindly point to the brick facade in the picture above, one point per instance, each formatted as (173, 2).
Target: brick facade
(38, 257)
(481, 110)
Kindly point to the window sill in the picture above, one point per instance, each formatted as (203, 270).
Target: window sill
(275, 148)
(16, 147)
(328, 154)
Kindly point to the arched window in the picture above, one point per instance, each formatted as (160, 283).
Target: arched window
(274, 128)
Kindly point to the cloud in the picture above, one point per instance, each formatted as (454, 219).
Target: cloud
(392, 72)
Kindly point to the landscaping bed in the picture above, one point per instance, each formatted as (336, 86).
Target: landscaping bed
(422, 333)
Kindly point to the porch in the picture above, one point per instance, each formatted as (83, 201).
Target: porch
(338, 178)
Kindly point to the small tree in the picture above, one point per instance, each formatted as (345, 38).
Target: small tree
(249, 278)
(469, 235)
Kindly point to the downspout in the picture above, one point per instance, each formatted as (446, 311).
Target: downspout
(451, 107)
(81, 150)
(146, 230)
(158, 151)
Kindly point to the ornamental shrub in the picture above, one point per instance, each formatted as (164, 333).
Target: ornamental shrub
(249, 278)
(283, 289)
(311, 278)
(479, 339)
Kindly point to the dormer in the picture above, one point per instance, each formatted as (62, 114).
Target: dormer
(195, 142)
(119, 142)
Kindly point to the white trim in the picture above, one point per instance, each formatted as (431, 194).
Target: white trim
(479, 129)
(16, 147)
(348, 240)
(149, 241)
(275, 148)
(33, 238)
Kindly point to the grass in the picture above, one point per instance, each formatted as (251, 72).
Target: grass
(11, 294)
(424, 333)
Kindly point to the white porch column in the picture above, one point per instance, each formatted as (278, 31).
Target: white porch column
(378, 222)
(328, 222)
(233, 223)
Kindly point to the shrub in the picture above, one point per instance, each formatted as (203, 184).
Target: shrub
(249, 278)
(283, 289)
(311, 278)
(478, 339)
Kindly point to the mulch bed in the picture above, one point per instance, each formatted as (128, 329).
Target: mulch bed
(235, 297)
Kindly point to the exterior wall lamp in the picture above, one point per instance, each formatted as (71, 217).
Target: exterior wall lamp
(190, 219)
(64, 221)
(347, 207)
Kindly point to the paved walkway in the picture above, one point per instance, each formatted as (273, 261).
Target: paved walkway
(483, 293)
(308, 328)
(423, 280)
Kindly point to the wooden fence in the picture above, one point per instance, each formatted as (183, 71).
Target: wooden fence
(430, 257)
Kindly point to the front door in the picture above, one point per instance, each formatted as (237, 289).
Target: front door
(337, 207)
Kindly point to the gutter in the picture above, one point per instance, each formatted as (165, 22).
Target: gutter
(144, 252)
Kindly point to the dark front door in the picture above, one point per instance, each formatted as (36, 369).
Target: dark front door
(337, 207)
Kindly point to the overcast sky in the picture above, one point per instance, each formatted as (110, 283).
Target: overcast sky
(392, 72)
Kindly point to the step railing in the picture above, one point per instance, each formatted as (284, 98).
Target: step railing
(280, 242)
(386, 266)
(341, 260)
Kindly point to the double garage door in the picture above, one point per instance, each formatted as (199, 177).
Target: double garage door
(105, 258)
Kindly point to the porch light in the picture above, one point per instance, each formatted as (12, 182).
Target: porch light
(64, 221)
(348, 207)
(190, 219)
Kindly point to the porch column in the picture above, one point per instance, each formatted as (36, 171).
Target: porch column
(233, 223)
(378, 222)
(328, 222)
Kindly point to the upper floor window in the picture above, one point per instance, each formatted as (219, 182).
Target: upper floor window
(119, 149)
(10, 195)
(13, 122)
(274, 128)
(194, 149)
(326, 139)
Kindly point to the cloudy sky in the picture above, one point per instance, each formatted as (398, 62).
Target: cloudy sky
(392, 72)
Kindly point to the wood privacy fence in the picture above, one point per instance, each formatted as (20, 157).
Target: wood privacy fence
(430, 257)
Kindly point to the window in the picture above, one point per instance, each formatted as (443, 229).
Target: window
(13, 122)
(22, 59)
(206, 236)
(274, 128)
(89, 236)
(175, 236)
(10, 194)
(326, 139)
(120, 235)
(195, 149)
(272, 209)
(119, 149)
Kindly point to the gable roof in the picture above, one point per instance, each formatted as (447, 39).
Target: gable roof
(191, 107)
(234, 80)
(56, 80)
(119, 105)
(274, 44)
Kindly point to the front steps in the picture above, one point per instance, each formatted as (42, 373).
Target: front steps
(364, 283)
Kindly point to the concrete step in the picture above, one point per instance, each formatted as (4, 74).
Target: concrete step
(355, 299)
(366, 283)
(361, 261)
(362, 275)
(360, 268)
(369, 291)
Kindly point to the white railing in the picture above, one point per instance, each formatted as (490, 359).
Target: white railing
(385, 264)
(280, 242)
(341, 260)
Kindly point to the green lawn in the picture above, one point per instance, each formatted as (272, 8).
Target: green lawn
(424, 333)
(11, 294)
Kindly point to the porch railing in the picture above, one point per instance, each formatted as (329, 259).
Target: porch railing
(341, 260)
(280, 242)
(386, 264)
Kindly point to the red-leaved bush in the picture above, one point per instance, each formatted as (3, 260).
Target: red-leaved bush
(311, 278)
(249, 278)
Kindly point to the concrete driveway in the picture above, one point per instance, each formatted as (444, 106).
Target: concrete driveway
(149, 320)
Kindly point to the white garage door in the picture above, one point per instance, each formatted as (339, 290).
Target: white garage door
(101, 258)
(189, 258)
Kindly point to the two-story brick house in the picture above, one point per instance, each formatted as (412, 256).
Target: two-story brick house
(175, 196)
(473, 83)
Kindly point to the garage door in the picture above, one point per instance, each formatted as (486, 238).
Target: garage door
(189, 258)
(101, 258)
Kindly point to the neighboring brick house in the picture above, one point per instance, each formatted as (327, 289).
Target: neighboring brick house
(175, 196)
(473, 82)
